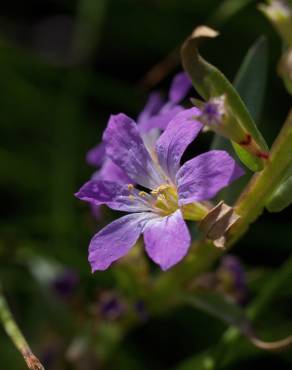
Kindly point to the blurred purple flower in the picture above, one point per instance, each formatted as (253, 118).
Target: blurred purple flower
(65, 283)
(110, 306)
(157, 214)
(232, 277)
(141, 310)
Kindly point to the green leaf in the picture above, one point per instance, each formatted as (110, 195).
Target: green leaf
(89, 23)
(282, 197)
(226, 10)
(249, 160)
(210, 83)
(250, 81)
(231, 346)
(218, 306)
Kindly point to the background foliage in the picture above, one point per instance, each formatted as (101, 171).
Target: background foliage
(64, 67)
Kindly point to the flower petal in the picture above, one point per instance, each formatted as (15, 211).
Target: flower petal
(202, 177)
(126, 149)
(162, 119)
(114, 195)
(149, 140)
(179, 88)
(167, 240)
(116, 239)
(171, 145)
(96, 155)
(152, 107)
(108, 172)
(111, 172)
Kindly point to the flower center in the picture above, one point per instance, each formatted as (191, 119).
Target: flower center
(166, 199)
(162, 200)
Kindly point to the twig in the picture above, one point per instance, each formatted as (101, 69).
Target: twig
(16, 336)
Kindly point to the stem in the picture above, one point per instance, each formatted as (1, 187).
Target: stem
(16, 336)
(252, 202)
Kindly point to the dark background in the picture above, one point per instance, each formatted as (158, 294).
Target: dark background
(64, 67)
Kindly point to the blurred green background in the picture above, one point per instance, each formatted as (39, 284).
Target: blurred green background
(64, 67)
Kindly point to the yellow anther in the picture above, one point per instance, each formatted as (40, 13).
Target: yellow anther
(131, 197)
(142, 194)
(130, 187)
(162, 188)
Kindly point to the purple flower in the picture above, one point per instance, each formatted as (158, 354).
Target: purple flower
(141, 310)
(212, 112)
(111, 306)
(155, 116)
(159, 213)
(232, 276)
(66, 283)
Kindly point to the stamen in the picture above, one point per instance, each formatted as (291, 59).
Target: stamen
(130, 187)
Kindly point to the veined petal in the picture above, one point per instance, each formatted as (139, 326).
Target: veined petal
(152, 107)
(114, 195)
(202, 177)
(96, 155)
(179, 88)
(116, 239)
(171, 145)
(167, 240)
(126, 149)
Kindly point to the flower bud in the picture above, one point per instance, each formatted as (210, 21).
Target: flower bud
(218, 117)
(214, 111)
(231, 279)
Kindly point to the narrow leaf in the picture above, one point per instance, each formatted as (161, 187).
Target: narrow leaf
(216, 305)
(250, 80)
(223, 309)
(282, 197)
(226, 10)
(246, 158)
